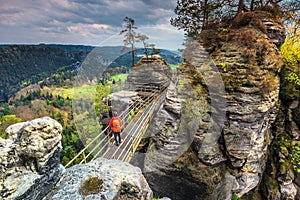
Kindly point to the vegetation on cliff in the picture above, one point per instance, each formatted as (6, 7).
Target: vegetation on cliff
(243, 39)
(290, 52)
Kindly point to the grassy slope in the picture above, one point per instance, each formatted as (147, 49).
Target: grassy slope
(119, 77)
(84, 91)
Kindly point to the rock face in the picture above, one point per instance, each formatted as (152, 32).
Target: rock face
(29, 159)
(281, 177)
(116, 180)
(169, 166)
(275, 29)
(224, 106)
(121, 100)
(30, 168)
(148, 74)
(251, 105)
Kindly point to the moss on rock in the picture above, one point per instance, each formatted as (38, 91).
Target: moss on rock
(92, 185)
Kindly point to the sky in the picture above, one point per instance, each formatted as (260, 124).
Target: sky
(87, 22)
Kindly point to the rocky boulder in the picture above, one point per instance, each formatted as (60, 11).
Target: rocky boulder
(102, 179)
(30, 159)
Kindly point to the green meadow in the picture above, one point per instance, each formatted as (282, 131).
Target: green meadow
(84, 91)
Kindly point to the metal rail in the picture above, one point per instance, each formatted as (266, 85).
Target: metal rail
(140, 130)
(135, 128)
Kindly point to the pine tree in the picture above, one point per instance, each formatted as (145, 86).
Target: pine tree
(142, 38)
(130, 35)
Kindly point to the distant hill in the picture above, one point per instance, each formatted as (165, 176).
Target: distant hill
(125, 59)
(108, 52)
(68, 48)
(22, 65)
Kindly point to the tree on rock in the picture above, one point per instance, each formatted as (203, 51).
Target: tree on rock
(142, 38)
(195, 15)
(130, 35)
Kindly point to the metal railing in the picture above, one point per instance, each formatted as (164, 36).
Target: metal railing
(136, 131)
(134, 127)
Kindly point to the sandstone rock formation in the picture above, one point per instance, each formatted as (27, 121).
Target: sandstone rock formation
(281, 177)
(30, 169)
(116, 180)
(169, 166)
(29, 159)
(148, 74)
(275, 29)
(228, 122)
(121, 100)
(251, 104)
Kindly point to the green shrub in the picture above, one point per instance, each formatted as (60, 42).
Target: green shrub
(235, 197)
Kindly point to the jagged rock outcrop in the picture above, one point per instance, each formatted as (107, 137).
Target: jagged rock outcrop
(121, 100)
(170, 168)
(226, 104)
(148, 74)
(102, 179)
(275, 29)
(29, 159)
(253, 85)
(30, 169)
(281, 177)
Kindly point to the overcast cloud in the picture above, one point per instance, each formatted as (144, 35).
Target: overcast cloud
(88, 22)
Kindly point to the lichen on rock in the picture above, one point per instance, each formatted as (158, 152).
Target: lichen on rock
(115, 179)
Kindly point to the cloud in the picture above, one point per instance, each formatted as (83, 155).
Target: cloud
(164, 36)
(81, 21)
(90, 30)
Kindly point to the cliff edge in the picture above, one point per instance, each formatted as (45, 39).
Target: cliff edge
(214, 142)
